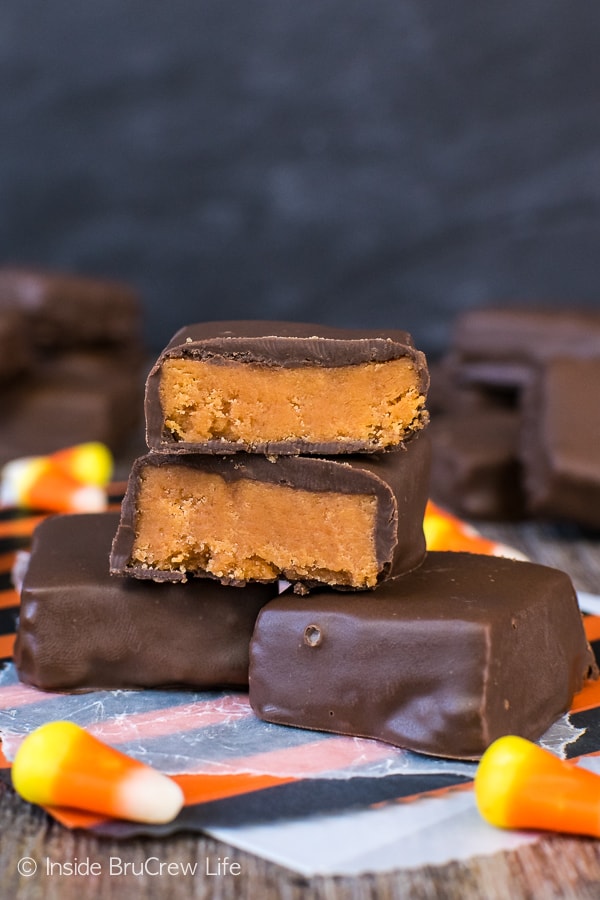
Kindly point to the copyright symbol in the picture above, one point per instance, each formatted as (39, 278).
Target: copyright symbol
(27, 866)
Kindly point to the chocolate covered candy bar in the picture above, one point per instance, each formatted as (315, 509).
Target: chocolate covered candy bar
(81, 629)
(280, 387)
(15, 346)
(475, 469)
(51, 410)
(499, 350)
(560, 443)
(65, 310)
(442, 661)
(518, 335)
(350, 523)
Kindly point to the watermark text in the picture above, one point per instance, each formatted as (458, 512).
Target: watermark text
(117, 866)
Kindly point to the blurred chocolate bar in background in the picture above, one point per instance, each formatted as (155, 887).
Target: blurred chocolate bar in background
(560, 441)
(67, 310)
(72, 362)
(15, 347)
(515, 428)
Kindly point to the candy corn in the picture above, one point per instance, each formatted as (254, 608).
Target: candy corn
(70, 480)
(444, 531)
(61, 764)
(34, 483)
(89, 463)
(520, 785)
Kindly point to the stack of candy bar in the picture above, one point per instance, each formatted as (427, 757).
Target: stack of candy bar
(515, 418)
(267, 458)
(71, 362)
(273, 536)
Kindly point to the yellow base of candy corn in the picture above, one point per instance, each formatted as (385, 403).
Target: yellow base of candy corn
(61, 764)
(520, 785)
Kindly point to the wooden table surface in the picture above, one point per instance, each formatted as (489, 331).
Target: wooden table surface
(553, 867)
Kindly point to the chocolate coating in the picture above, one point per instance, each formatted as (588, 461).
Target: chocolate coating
(81, 629)
(441, 661)
(399, 481)
(281, 344)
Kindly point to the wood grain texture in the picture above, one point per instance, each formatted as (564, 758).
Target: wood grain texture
(554, 868)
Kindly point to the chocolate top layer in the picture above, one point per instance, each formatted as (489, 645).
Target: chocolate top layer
(81, 629)
(290, 343)
(277, 344)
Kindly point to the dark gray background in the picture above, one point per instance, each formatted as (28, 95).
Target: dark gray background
(369, 163)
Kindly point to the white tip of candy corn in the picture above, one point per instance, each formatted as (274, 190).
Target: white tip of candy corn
(8, 493)
(17, 477)
(146, 795)
(88, 499)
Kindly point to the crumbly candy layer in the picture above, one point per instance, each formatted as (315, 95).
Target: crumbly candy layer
(243, 530)
(376, 402)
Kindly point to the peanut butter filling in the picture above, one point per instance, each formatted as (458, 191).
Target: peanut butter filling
(243, 530)
(204, 400)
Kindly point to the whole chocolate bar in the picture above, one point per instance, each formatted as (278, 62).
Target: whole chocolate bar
(285, 388)
(65, 310)
(560, 441)
(81, 629)
(348, 522)
(442, 661)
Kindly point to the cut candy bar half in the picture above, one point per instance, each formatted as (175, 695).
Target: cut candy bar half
(349, 522)
(285, 388)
